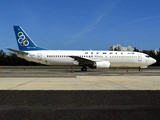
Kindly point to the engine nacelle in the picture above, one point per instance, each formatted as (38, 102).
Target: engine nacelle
(102, 64)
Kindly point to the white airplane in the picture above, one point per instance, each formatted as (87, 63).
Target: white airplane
(29, 51)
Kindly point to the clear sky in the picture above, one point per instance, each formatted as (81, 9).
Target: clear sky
(82, 24)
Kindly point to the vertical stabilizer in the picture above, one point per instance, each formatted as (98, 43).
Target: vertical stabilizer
(24, 41)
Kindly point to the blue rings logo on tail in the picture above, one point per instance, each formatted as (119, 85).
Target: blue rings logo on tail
(22, 39)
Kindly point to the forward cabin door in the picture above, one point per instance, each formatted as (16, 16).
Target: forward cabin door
(139, 57)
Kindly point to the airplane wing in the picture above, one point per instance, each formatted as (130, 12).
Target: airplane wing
(17, 51)
(83, 61)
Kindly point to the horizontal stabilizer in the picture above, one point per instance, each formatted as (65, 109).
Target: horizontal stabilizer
(17, 51)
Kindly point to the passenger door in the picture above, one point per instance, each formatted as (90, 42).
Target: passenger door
(139, 57)
(39, 56)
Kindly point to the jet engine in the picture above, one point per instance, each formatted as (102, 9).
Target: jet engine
(102, 64)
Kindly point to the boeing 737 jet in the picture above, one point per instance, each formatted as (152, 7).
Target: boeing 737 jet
(29, 51)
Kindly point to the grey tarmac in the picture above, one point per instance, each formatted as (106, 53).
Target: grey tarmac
(74, 79)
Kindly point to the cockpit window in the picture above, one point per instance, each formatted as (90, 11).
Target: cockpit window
(147, 56)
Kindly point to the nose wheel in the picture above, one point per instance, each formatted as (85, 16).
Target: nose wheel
(84, 68)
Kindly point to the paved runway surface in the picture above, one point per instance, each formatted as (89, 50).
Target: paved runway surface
(62, 79)
(79, 105)
(38, 94)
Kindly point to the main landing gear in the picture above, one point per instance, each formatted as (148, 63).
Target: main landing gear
(139, 69)
(84, 68)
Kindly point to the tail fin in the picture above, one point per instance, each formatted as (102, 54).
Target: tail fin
(24, 41)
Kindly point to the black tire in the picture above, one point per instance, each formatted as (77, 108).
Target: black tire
(84, 69)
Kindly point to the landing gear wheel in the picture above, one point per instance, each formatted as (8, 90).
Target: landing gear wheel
(83, 69)
(140, 69)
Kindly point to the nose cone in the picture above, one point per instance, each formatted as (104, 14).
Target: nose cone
(153, 61)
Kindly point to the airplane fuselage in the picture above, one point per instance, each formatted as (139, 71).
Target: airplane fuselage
(62, 57)
(29, 51)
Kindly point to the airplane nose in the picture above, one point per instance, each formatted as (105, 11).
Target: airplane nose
(153, 60)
